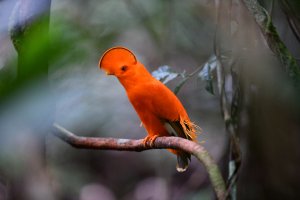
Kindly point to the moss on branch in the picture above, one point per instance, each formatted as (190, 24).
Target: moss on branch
(269, 31)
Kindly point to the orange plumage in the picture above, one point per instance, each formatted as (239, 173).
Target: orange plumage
(160, 111)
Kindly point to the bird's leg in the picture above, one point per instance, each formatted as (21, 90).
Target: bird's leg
(149, 140)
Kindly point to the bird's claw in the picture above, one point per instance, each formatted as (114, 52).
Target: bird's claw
(149, 140)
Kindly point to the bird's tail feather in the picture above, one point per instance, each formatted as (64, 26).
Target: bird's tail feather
(183, 160)
(190, 129)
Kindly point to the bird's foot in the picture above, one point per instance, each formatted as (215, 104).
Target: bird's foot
(149, 140)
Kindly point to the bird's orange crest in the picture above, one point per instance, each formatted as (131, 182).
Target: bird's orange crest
(115, 58)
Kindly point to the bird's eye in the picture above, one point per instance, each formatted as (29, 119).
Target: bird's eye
(124, 68)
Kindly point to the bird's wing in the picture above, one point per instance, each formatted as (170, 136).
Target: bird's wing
(169, 109)
(175, 128)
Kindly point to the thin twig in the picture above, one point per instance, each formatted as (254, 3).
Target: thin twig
(137, 145)
(227, 114)
(186, 78)
(291, 18)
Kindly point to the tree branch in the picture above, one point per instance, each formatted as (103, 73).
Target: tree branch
(137, 145)
(274, 41)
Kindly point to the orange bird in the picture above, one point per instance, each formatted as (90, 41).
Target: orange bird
(160, 111)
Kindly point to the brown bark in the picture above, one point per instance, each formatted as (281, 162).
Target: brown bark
(137, 145)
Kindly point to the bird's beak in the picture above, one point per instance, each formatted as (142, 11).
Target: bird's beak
(108, 73)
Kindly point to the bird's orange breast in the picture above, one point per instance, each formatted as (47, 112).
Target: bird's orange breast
(155, 104)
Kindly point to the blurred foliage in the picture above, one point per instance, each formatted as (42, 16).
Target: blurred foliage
(35, 56)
